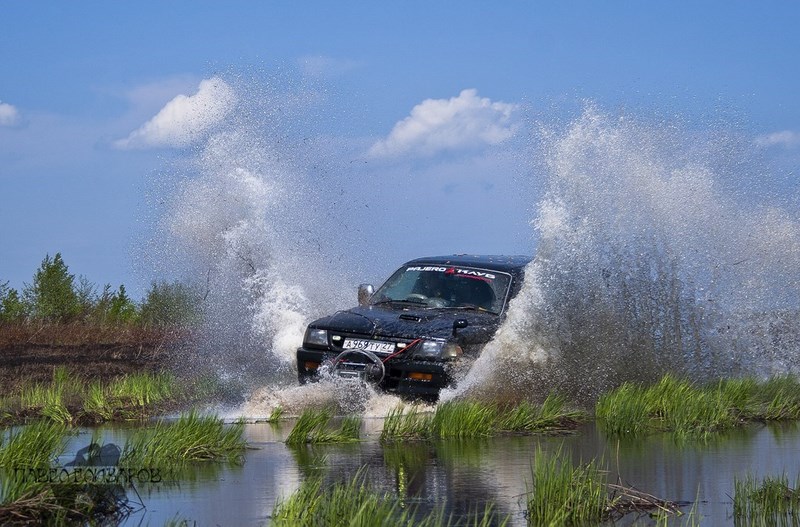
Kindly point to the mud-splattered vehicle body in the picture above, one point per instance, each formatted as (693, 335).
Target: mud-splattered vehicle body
(420, 330)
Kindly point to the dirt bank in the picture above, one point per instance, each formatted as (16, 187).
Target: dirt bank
(29, 352)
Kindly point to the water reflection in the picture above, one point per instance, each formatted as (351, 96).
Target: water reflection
(461, 476)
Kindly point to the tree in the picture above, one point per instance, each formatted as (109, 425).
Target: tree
(168, 304)
(121, 309)
(52, 294)
(12, 308)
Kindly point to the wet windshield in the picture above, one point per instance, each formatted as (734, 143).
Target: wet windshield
(446, 287)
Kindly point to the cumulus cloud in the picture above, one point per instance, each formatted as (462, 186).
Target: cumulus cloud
(184, 119)
(785, 138)
(9, 116)
(446, 124)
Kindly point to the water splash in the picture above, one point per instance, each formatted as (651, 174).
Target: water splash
(239, 223)
(649, 259)
(647, 262)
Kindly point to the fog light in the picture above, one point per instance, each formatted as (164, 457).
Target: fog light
(311, 365)
(419, 376)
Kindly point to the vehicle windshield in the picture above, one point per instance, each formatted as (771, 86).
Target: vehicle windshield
(445, 286)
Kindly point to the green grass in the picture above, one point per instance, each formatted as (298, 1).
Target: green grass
(313, 426)
(142, 389)
(32, 446)
(689, 411)
(469, 419)
(193, 437)
(462, 419)
(275, 415)
(72, 400)
(770, 501)
(353, 504)
(561, 493)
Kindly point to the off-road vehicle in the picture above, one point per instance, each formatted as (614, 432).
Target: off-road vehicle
(420, 330)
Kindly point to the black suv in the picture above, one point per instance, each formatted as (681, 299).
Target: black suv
(419, 330)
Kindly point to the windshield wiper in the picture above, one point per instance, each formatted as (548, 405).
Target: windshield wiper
(401, 301)
(472, 307)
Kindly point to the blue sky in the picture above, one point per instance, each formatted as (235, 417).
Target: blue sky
(98, 100)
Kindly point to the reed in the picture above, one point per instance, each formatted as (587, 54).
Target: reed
(770, 501)
(313, 426)
(193, 437)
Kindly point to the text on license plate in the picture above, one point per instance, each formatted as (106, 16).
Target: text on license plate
(375, 346)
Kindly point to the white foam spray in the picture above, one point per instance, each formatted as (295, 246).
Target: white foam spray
(239, 224)
(647, 262)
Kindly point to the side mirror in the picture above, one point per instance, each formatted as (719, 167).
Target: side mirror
(459, 323)
(365, 292)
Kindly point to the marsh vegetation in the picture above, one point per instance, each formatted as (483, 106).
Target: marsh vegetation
(690, 411)
(69, 399)
(460, 419)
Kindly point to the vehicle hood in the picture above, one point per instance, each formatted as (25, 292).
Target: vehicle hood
(409, 323)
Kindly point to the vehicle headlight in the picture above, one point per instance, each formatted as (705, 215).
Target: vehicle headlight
(438, 349)
(316, 337)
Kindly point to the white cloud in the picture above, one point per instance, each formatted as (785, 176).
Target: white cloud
(184, 119)
(785, 138)
(444, 124)
(9, 116)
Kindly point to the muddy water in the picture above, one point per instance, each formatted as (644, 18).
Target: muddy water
(460, 476)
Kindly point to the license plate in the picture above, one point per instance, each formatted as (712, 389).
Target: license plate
(375, 346)
(352, 375)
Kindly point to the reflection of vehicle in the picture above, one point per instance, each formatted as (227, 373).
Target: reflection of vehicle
(413, 335)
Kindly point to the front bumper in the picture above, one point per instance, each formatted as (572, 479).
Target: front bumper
(405, 377)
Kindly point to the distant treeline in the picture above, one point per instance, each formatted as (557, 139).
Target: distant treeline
(56, 296)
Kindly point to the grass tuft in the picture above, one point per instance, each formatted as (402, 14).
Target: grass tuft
(768, 502)
(193, 437)
(313, 427)
(32, 446)
(468, 419)
(561, 493)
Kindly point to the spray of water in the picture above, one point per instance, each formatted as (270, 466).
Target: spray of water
(647, 260)
(646, 263)
(239, 224)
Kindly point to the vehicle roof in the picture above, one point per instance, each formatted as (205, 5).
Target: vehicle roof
(509, 264)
